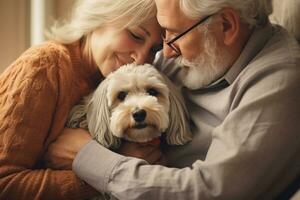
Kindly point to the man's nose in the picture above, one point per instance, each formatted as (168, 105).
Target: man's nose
(169, 52)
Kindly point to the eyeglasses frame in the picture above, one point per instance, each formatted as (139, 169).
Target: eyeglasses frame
(170, 43)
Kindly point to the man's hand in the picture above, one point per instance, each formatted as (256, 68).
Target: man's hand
(150, 152)
(62, 151)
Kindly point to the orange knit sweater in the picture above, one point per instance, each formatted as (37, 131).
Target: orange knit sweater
(36, 94)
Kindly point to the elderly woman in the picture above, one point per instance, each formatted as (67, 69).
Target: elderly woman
(39, 89)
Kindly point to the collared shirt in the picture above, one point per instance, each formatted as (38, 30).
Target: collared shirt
(246, 140)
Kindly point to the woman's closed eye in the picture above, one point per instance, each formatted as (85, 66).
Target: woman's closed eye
(136, 36)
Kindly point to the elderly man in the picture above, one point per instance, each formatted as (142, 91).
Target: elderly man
(240, 76)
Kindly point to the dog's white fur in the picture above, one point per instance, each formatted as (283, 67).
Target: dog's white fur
(110, 118)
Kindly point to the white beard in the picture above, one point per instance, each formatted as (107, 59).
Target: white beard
(210, 65)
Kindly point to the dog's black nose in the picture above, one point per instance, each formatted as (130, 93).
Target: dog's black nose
(139, 115)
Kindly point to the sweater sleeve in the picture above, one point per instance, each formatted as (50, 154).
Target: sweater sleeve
(28, 100)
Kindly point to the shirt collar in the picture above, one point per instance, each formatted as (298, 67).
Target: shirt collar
(255, 44)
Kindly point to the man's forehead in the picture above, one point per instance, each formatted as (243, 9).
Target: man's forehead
(166, 3)
(168, 13)
(167, 7)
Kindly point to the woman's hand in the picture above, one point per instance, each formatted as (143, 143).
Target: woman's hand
(62, 151)
(146, 151)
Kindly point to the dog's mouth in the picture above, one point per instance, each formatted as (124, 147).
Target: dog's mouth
(140, 126)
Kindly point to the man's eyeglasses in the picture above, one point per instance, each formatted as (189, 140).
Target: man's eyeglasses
(171, 44)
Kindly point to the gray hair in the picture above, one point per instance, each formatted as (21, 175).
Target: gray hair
(89, 15)
(253, 12)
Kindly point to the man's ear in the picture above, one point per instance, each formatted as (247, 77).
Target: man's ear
(231, 25)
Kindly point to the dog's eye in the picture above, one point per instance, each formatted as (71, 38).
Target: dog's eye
(122, 95)
(152, 92)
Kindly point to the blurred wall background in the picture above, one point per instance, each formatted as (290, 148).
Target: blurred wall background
(13, 30)
(22, 24)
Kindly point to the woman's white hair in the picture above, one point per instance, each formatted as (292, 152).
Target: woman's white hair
(253, 12)
(89, 15)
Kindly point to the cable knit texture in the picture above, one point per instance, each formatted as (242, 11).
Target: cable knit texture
(37, 92)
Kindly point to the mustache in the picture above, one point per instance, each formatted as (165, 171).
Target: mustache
(207, 57)
(186, 63)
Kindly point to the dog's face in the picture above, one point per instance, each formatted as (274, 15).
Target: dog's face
(138, 99)
(137, 103)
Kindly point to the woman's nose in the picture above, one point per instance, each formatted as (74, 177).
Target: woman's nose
(141, 55)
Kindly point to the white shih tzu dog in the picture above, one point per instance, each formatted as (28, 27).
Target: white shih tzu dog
(136, 103)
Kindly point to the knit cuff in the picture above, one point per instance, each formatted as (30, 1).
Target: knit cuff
(94, 164)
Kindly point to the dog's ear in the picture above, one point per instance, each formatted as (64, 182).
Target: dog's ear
(98, 117)
(77, 116)
(178, 132)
